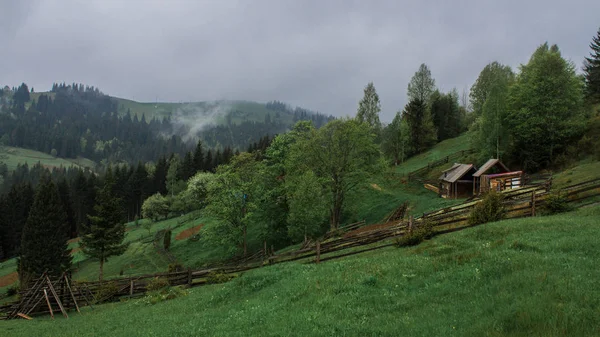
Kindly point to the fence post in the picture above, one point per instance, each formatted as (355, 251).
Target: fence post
(533, 203)
(410, 224)
(130, 287)
(318, 257)
(189, 277)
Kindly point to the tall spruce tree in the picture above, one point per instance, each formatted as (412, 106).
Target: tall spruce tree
(199, 157)
(369, 108)
(396, 139)
(105, 234)
(591, 70)
(421, 129)
(44, 244)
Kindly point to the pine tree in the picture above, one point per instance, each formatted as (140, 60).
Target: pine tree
(44, 242)
(65, 197)
(422, 131)
(105, 234)
(591, 70)
(199, 157)
(369, 108)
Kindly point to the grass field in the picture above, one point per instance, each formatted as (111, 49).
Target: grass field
(12, 156)
(584, 171)
(523, 277)
(439, 151)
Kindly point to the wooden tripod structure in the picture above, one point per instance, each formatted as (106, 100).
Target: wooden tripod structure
(53, 294)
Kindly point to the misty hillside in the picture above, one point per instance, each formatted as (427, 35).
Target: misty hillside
(88, 123)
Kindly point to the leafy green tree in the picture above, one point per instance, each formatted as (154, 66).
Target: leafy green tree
(155, 207)
(491, 73)
(197, 189)
(591, 70)
(307, 206)
(342, 154)
(44, 244)
(492, 133)
(396, 137)
(545, 108)
(270, 216)
(421, 85)
(369, 108)
(105, 233)
(421, 129)
(230, 195)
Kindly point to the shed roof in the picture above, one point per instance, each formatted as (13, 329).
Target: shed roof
(456, 172)
(488, 165)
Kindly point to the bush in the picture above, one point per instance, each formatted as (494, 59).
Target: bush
(106, 291)
(556, 203)
(215, 277)
(167, 239)
(164, 294)
(489, 209)
(418, 235)
(157, 283)
(12, 290)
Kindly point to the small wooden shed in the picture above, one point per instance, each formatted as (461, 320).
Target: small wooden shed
(456, 181)
(497, 176)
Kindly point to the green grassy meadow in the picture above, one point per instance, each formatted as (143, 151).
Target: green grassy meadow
(521, 277)
(439, 151)
(12, 156)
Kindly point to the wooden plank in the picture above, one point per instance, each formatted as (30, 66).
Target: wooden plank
(24, 316)
(53, 292)
(48, 302)
(71, 292)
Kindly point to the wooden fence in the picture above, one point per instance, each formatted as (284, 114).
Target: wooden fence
(349, 240)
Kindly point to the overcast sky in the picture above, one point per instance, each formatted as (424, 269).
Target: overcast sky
(317, 54)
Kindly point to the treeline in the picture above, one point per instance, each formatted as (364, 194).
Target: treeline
(78, 189)
(539, 117)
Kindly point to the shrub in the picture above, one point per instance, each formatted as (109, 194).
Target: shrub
(12, 290)
(167, 239)
(106, 291)
(489, 209)
(556, 203)
(216, 277)
(418, 235)
(157, 283)
(165, 294)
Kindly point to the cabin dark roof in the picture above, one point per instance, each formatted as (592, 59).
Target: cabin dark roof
(456, 172)
(488, 165)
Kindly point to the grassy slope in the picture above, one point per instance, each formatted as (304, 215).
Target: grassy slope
(439, 151)
(522, 277)
(15, 155)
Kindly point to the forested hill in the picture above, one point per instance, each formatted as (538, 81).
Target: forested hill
(76, 120)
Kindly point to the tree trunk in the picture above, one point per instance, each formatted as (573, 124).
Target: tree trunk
(101, 275)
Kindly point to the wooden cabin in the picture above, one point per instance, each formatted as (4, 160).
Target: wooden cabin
(456, 181)
(495, 175)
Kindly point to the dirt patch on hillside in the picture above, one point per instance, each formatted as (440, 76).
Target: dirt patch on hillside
(75, 240)
(189, 232)
(370, 228)
(9, 279)
(75, 250)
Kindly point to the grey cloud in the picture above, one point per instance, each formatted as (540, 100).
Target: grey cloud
(318, 54)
